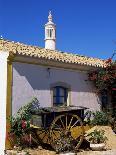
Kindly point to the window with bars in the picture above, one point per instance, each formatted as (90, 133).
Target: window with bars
(60, 95)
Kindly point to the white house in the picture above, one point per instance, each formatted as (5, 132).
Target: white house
(54, 77)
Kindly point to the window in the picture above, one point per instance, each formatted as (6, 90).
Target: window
(60, 95)
(47, 32)
(50, 33)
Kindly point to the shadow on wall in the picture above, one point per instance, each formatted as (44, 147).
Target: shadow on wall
(40, 78)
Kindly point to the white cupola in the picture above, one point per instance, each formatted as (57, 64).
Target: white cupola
(50, 33)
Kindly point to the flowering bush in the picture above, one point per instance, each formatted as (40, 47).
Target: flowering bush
(64, 143)
(105, 78)
(20, 123)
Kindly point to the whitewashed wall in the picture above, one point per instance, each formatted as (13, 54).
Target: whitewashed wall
(3, 99)
(34, 80)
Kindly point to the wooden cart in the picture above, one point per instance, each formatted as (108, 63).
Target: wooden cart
(52, 123)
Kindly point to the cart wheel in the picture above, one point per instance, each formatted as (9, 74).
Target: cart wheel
(43, 135)
(65, 126)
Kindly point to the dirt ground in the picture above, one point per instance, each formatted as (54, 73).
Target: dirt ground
(47, 152)
(108, 152)
(110, 146)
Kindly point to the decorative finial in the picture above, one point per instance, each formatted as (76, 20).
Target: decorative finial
(50, 16)
(1, 38)
(50, 12)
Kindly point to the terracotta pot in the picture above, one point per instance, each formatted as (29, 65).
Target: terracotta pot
(97, 147)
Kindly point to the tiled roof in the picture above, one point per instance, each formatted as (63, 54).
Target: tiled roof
(37, 52)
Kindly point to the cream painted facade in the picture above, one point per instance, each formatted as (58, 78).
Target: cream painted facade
(36, 81)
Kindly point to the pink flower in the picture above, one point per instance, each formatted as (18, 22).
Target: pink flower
(109, 60)
(23, 124)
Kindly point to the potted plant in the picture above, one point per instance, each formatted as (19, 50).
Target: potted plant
(97, 140)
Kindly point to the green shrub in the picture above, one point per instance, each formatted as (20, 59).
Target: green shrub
(96, 118)
(100, 118)
(97, 137)
(20, 123)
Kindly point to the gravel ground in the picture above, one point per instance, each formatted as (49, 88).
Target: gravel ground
(47, 152)
(108, 152)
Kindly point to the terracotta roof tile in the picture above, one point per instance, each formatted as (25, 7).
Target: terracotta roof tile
(37, 52)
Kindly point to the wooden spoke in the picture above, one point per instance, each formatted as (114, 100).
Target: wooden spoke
(33, 139)
(57, 126)
(66, 122)
(70, 122)
(74, 124)
(53, 132)
(62, 123)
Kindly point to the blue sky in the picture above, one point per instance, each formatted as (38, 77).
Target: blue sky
(85, 27)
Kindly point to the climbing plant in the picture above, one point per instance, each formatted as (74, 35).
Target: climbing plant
(105, 78)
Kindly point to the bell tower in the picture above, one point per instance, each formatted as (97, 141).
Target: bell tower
(50, 33)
